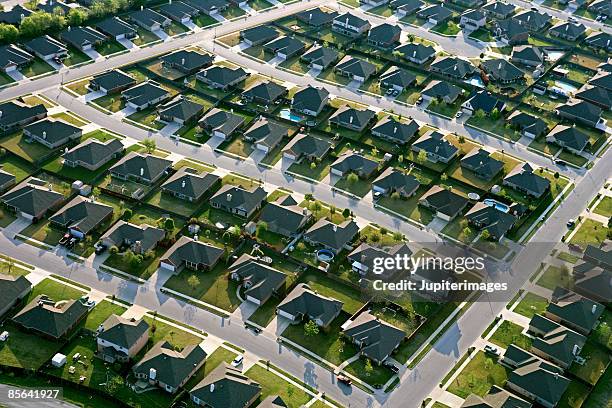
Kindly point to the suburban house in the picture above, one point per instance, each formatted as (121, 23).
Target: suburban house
(81, 216)
(167, 368)
(111, 82)
(220, 77)
(554, 342)
(350, 25)
(310, 100)
(15, 15)
(385, 36)
(149, 19)
(190, 185)
(239, 201)
(593, 277)
(265, 93)
(220, 123)
(191, 254)
(596, 95)
(495, 398)
(144, 95)
(569, 138)
(92, 154)
(120, 339)
(52, 133)
(453, 67)
(472, 20)
(406, 7)
(186, 61)
(307, 147)
(502, 71)
(469, 3)
(265, 135)
(13, 57)
(527, 55)
(529, 125)
(285, 217)
(331, 236)
(139, 238)
(391, 129)
(574, 311)
(416, 53)
(435, 14)
(14, 115)
(260, 281)
(487, 217)
(498, 10)
(47, 48)
(179, 11)
(317, 17)
(304, 304)
(441, 91)
(444, 203)
(13, 289)
(533, 20)
(480, 162)
(352, 118)
(225, 387)
(181, 111)
(602, 7)
(285, 47)
(375, 338)
(210, 7)
(483, 101)
(117, 28)
(83, 38)
(258, 35)
(50, 319)
(394, 181)
(599, 41)
(355, 68)
(7, 180)
(141, 168)
(350, 162)
(510, 31)
(581, 111)
(320, 57)
(397, 79)
(32, 199)
(435, 146)
(522, 178)
(362, 258)
(567, 31)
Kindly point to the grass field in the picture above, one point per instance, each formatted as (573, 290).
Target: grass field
(478, 376)
(510, 333)
(531, 305)
(271, 384)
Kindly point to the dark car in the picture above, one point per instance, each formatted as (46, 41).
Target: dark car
(344, 379)
(64, 240)
(71, 243)
(100, 248)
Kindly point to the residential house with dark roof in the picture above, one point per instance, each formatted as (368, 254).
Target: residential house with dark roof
(435, 14)
(220, 123)
(539, 382)
(352, 118)
(317, 17)
(149, 19)
(332, 236)
(239, 201)
(258, 35)
(496, 398)
(225, 387)
(119, 339)
(375, 338)
(47, 48)
(406, 7)
(110, 82)
(469, 3)
(569, 138)
(483, 101)
(567, 30)
(179, 11)
(363, 257)
(602, 7)
(350, 25)
(141, 168)
(15, 15)
(581, 111)
(187, 61)
(167, 368)
(222, 77)
(501, 71)
(310, 100)
(265, 134)
(52, 6)
(599, 41)
(190, 185)
(138, 238)
(320, 57)
(192, 254)
(52, 133)
(304, 304)
(528, 124)
(285, 217)
(13, 289)
(480, 162)
(265, 93)
(416, 53)
(83, 38)
(597, 96)
(209, 7)
(308, 147)
(533, 20)
(522, 178)
(50, 319)
(81, 216)
(394, 181)
(260, 281)
(527, 55)
(92, 154)
(453, 67)
(145, 95)
(437, 148)
(444, 203)
(395, 131)
(487, 217)
(593, 277)
(397, 79)
(7, 180)
(554, 342)
(181, 111)
(117, 28)
(12, 57)
(498, 10)
(472, 20)
(574, 311)
(385, 36)
(14, 115)
(510, 31)
(285, 47)
(354, 68)
(32, 199)
(441, 91)
(351, 162)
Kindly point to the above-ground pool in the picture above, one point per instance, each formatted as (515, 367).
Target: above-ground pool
(288, 115)
(494, 203)
(325, 255)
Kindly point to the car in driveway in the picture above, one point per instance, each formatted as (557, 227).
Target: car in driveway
(344, 379)
(391, 366)
(99, 247)
(64, 239)
(237, 361)
(491, 350)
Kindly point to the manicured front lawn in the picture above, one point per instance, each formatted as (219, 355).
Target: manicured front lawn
(163, 201)
(17, 167)
(25, 349)
(409, 207)
(531, 305)
(265, 313)
(55, 290)
(100, 313)
(144, 37)
(112, 103)
(30, 151)
(604, 207)
(590, 232)
(260, 4)
(377, 377)
(75, 57)
(38, 67)
(42, 231)
(316, 172)
(147, 117)
(444, 109)
(478, 376)
(449, 28)
(272, 384)
(110, 47)
(555, 276)
(510, 333)
(597, 360)
(358, 187)
(459, 229)
(204, 20)
(217, 357)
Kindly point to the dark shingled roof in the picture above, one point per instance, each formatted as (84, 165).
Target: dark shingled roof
(309, 304)
(453, 66)
(497, 222)
(12, 55)
(54, 319)
(11, 288)
(147, 235)
(189, 60)
(321, 55)
(93, 151)
(284, 214)
(222, 121)
(239, 198)
(568, 136)
(303, 144)
(223, 75)
(480, 161)
(537, 379)
(263, 280)
(396, 130)
(189, 182)
(349, 115)
(226, 387)
(115, 26)
(262, 33)
(331, 235)
(144, 93)
(378, 338)
(434, 142)
(576, 309)
(269, 91)
(82, 214)
(141, 165)
(13, 112)
(522, 175)
(502, 70)
(356, 66)
(416, 51)
(398, 181)
(353, 162)
(266, 132)
(113, 79)
(52, 130)
(440, 89)
(444, 201)
(496, 398)
(122, 332)
(187, 249)
(181, 108)
(527, 122)
(309, 98)
(317, 16)
(32, 197)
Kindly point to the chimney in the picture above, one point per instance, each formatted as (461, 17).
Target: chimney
(414, 53)
(182, 61)
(394, 129)
(212, 387)
(351, 119)
(500, 65)
(141, 171)
(228, 197)
(593, 309)
(44, 134)
(335, 228)
(0, 113)
(183, 184)
(575, 350)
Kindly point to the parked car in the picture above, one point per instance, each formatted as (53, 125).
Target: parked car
(4, 336)
(237, 361)
(71, 243)
(491, 350)
(64, 240)
(459, 114)
(87, 302)
(344, 379)
(100, 247)
(391, 366)
(571, 223)
(419, 101)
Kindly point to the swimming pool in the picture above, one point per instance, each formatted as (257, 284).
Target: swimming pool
(325, 255)
(494, 203)
(288, 115)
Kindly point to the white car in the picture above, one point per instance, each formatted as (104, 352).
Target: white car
(4, 336)
(237, 361)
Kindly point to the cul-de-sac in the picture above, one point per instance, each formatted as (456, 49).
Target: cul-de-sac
(306, 203)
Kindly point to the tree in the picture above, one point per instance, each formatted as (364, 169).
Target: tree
(315, 207)
(308, 197)
(495, 114)
(375, 237)
(311, 328)
(480, 114)
(422, 156)
(332, 210)
(8, 33)
(114, 250)
(96, 192)
(400, 158)
(113, 384)
(346, 213)
(443, 177)
(556, 175)
(313, 166)
(461, 139)
(368, 367)
(193, 281)
(466, 232)
(486, 234)
(169, 225)
(262, 227)
(127, 214)
(374, 151)
(352, 178)
(395, 195)
(398, 236)
(383, 231)
(76, 17)
(149, 145)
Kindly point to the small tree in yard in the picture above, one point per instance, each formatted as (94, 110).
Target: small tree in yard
(315, 207)
(368, 367)
(352, 178)
(486, 234)
(398, 236)
(466, 231)
(395, 195)
(311, 328)
(346, 213)
(149, 145)
(113, 384)
(422, 156)
(262, 227)
(193, 281)
(480, 114)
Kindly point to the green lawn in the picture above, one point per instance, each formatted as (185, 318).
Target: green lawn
(70, 118)
(144, 37)
(112, 103)
(459, 229)
(75, 57)
(265, 313)
(556, 276)
(38, 67)
(590, 232)
(316, 172)
(600, 395)
(26, 350)
(203, 20)
(448, 28)
(147, 117)
(30, 151)
(409, 207)
(531, 305)
(597, 360)
(510, 333)
(100, 313)
(603, 332)
(142, 270)
(79, 87)
(332, 288)
(574, 395)
(44, 232)
(110, 47)
(478, 376)
(259, 4)
(358, 187)
(5, 79)
(163, 200)
(377, 377)
(271, 384)
(55, 290)
(217, 357)
(16, 166)
(604, 207)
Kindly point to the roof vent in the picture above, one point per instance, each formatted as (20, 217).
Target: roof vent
(212, 387)
(228, 197)
(141, 171)
(351, 119)
(182, 61)
(593, 309)
(44, 134)
(183, 184)
(152, 373)
(335, 228)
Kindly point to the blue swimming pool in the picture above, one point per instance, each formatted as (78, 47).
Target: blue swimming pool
(325, 255)
(288, 115)
(494, 203)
